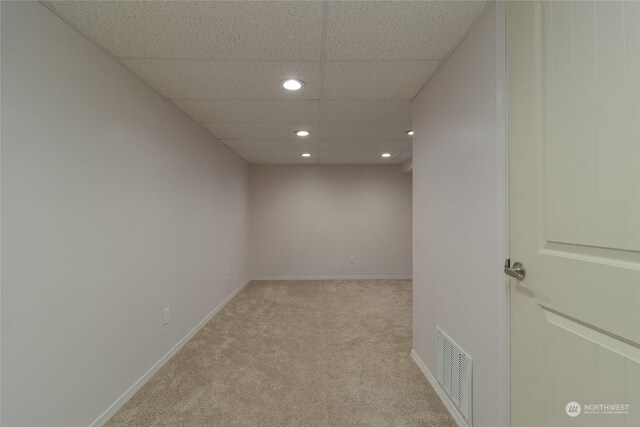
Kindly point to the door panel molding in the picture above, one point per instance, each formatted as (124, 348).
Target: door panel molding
(574, 204)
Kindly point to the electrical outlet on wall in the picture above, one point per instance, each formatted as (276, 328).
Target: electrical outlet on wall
(227, 275)
(352, 259)
(165, 316)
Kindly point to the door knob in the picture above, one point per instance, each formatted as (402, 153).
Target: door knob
(517, 271)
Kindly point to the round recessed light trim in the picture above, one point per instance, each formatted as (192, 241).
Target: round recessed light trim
(292, 84)
(303, 133)
(306, 155)
(386, 155)
(409, 132)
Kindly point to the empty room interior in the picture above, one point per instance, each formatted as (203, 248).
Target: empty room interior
(320, 213)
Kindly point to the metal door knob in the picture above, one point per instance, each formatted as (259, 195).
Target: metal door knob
(517, 271)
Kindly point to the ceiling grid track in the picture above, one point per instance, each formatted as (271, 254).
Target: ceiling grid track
(222, 64)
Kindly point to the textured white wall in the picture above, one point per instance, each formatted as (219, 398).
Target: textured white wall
(307, 220)
(114, 206)
(459, 226)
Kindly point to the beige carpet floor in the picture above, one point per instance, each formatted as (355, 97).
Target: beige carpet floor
(296, 353)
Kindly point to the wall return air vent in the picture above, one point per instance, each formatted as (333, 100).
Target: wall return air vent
(454, 374)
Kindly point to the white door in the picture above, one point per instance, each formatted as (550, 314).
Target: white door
(574, 177)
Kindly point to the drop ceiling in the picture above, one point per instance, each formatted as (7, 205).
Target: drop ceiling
(222, 64)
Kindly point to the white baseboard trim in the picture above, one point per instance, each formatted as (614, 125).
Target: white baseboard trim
(441, 394)
(102, 419)
(332, 278)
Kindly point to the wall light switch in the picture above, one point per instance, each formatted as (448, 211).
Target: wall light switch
(165, 317)
(352, 259)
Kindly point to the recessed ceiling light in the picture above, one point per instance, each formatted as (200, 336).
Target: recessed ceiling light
(302, 133)
(306, 155)
(409, 132)
(385, 155)
(292, 84)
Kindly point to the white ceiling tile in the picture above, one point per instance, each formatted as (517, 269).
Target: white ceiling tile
(273, 144)
(226, 79)
(358, 154)
(275, 154)
(358, 161)
(366, 111)
(381, 80)
(320, 145)
(297, 161)
(211, 30)
(262, 131)
(250, 111)
(397, 30)
(373, 131)
(363, 144)
(222, 63)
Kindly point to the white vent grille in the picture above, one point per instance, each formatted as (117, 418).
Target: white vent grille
(454, 373)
